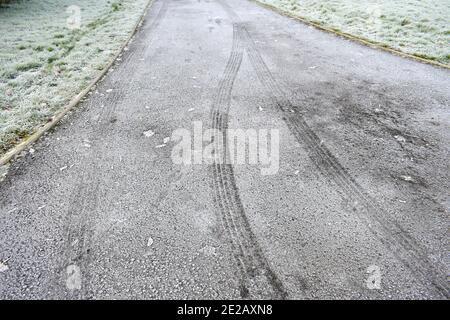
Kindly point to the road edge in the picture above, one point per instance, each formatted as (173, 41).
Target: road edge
(349, 36)
(24, 144)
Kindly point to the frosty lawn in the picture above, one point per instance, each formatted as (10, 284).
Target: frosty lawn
(419, 27)
(44, 61)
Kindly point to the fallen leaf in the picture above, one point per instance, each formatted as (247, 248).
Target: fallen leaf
(406, 178)
(3, 267)
(400, 138)
(149, 133)
(208, 250)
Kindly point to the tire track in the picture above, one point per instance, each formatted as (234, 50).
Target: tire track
(79, 235)
(84, 203)
(376, 219)
(158, 18)
(256, 277)
(144, 39)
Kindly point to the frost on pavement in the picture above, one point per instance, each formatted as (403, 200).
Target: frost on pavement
(44, 62)
(414, 26)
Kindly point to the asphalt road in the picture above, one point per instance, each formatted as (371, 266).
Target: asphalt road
(359, 207)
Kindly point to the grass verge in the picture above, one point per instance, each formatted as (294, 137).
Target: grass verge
(415, 27)
(45, 63)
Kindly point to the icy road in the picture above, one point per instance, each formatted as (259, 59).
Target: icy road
(357, 205)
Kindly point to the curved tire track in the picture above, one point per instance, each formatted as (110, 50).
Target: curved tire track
(376, 219)
(256, 277)
(83, 205)
(392, 235)
(142, 36)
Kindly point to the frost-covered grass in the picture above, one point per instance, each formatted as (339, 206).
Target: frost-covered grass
(419, 27)
(44, 63)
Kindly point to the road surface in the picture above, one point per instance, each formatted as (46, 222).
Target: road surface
(358, 208)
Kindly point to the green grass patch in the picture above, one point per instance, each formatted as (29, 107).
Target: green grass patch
(116, 6)
(405, 22)
(39, 48)
(28, 66)
(52, 59)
